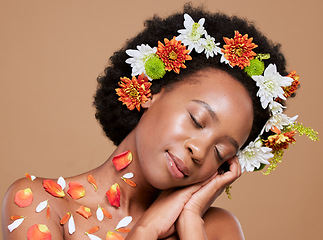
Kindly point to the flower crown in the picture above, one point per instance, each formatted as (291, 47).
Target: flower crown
(152, 63)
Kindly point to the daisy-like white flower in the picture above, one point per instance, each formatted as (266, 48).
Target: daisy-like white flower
(279, 121)
(211, 48)
(253, 155)
(191, 36)
(271, 85)
(275, 107)
(139, 57)
(224, 60)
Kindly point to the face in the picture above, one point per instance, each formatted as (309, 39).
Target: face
(187, 132)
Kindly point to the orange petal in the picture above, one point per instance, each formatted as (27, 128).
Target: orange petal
(39, 232)
(122, 160)
(113, 236)
(24, 197)
(84, 211)
(65, 218)
(275, 130)
(48, 213)
(123, 230)
(53, 188)
(76, 190)
(92, 230)
(30, 177)
(91, 180)
(106, 213)
(15, 217)
(113, 195)
(129, 182)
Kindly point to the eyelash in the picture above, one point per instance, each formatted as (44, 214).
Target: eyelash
(197, 124)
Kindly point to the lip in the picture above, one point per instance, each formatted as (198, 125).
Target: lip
(176, 166)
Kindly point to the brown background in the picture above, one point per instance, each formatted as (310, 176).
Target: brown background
(52, 51)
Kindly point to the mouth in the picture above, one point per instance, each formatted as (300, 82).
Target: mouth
(176, 166)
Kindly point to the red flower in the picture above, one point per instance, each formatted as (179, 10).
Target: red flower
(280, 140)
(173, 54)
(292, 88)
(134, 92)
(238, 50)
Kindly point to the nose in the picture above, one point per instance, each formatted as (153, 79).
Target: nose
(197, 149)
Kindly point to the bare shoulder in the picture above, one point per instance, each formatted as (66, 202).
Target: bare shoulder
(19, 206)
(221, 224)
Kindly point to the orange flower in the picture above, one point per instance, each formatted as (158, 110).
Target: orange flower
(91, 180)
(65, 218)
(113, 195)
(122, 160)
(134, 92)
(39, 232)
(92, 230)
(280, 141)
(76, 190)
(292, 88)
(239, 50)
(84, 211)
(173, 54)
(53, 188)
(113, 236)
(24, 198)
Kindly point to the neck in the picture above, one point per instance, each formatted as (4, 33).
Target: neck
(133, 199)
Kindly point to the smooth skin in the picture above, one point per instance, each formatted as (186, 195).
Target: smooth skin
(202, 122)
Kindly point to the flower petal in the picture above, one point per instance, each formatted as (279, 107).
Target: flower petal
(65, 218)
(123, 230)
(124, 222)
(53, 188)
(48, 213)
(16, 223)
(93, 237)
(84, 211)
(39, 231)
(91, 180)
(128, 175)
(92, 230)
(76, 190)
(61, 181)
(41, 206)
(129, 182)
(113, 236)
(113, 195)
(99, 214)
(24, 198)
(122, 160)
(71, 225)
(30, 177)
(106, 213)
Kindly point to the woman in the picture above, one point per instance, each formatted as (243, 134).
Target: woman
(178, 137)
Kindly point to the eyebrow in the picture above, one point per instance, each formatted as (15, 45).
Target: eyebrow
(214, 116)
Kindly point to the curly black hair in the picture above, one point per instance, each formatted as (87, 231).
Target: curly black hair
(118, 121)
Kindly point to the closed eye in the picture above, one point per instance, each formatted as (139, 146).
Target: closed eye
(197, 124)
(218, 154)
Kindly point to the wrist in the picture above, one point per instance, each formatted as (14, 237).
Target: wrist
(142, 232)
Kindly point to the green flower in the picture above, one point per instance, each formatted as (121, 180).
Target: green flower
(256, 67)
(154, 67)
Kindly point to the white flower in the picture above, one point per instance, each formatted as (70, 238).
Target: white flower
(211, 48)
(139, 57)
(253, 155)
(275, 107)
(191, 36)
(270, 85)
(279, 121)
(224, 60)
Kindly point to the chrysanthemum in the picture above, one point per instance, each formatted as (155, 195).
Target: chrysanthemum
(139, 57)
(288, 91)
(211, 48)
(279, 121)
(270, 85)
(173, 54)
(253, 156)
(238, 50)
(134, 92)
(276, 107)
(191, 36)
(280, 141)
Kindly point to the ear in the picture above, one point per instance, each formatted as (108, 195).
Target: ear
(152, 99)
